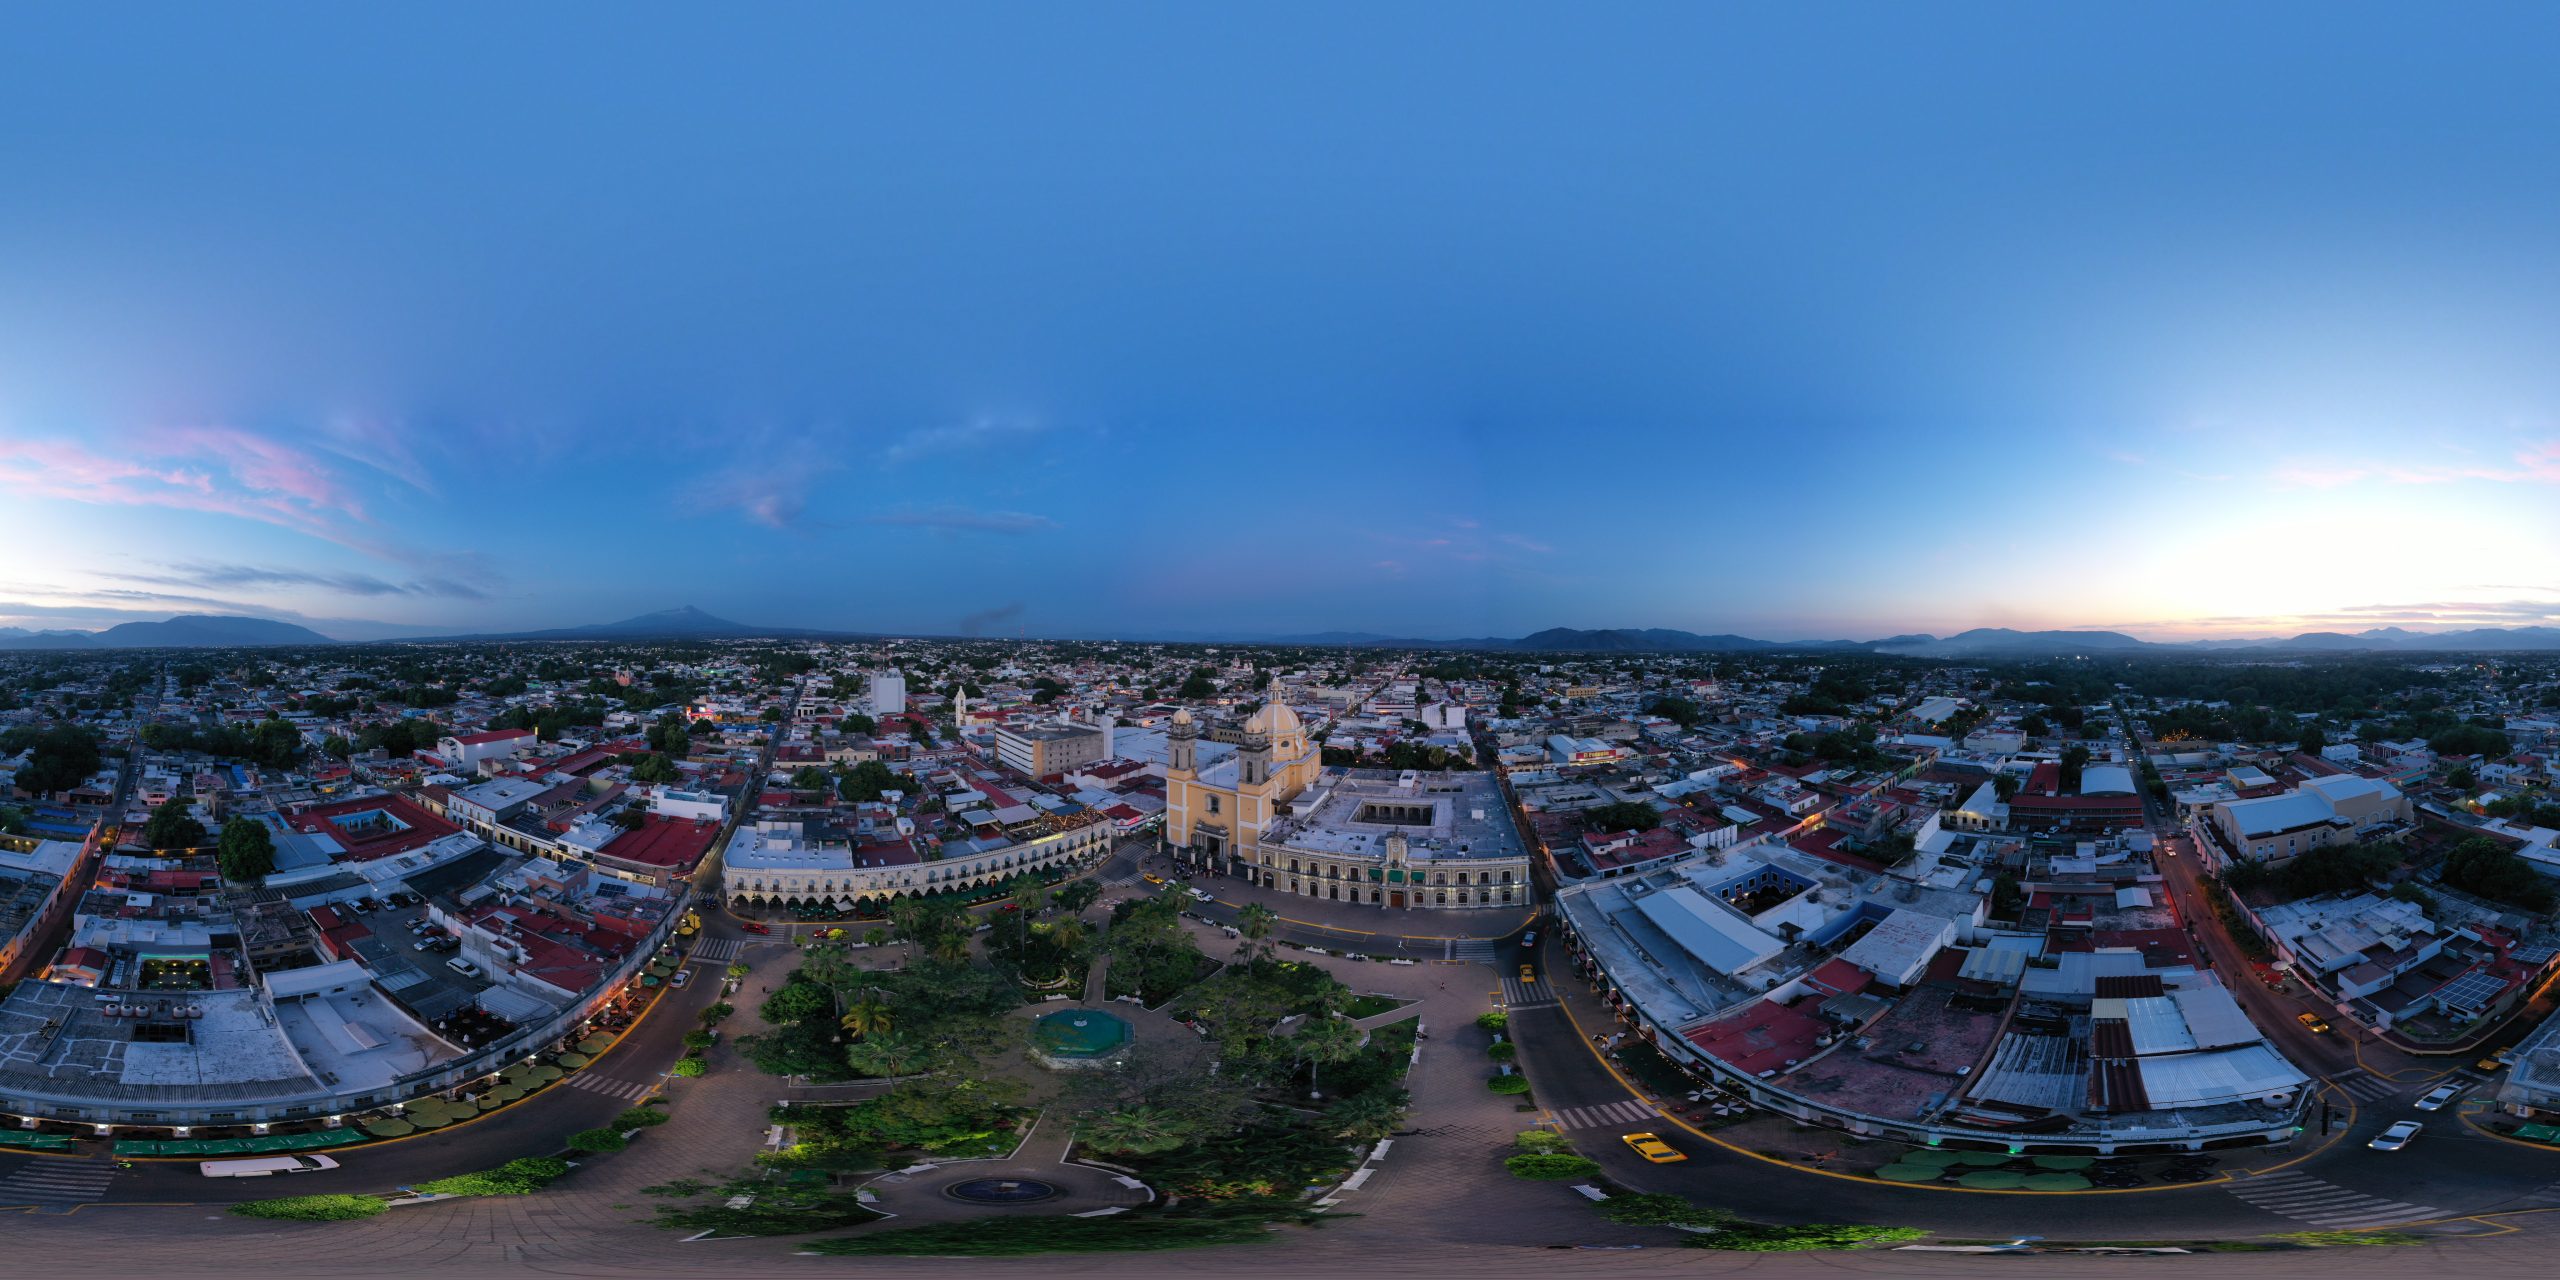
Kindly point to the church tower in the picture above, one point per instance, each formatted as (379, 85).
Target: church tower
(1182, 752)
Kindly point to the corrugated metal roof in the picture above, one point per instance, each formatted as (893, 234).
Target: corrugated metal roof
(2243, 1074)
(2157, 1026)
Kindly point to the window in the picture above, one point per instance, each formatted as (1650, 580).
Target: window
(1213, 804)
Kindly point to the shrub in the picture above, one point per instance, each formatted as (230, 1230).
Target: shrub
(2359, 1238)
(639, 1118)
(1759, 1237)
(1550, 1166)
(1494, 1021)
(514, 1178)
(697, 1040)
(1542, 1140)
(715, 1013)
(1502, 1051)
(689, 1067)
(598, 1141)
(1508, 1084)
(1639, 1210)
(312, 1208)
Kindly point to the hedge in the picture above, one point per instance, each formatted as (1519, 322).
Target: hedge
(339, 1208)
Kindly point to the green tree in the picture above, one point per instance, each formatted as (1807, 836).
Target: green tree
(1623, 815)
(172, 827)
(2314, 741)
(1323, 1039)
(1197, 686)
(1135, 1131)
(2075, 759)
(247, 852)
(337, 747)
(58, 758)
(868, 1016)
(1254, 924)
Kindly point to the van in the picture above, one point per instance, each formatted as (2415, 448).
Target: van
(463, 967)
(265, 1166)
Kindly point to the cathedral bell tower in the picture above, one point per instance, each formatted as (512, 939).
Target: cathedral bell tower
(1182, 750)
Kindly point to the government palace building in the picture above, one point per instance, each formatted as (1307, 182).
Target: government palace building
(1276, 815)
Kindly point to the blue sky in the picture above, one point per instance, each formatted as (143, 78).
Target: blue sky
(1441, 320)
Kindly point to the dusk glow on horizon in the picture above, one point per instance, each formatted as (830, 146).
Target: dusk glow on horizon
(1423, 323)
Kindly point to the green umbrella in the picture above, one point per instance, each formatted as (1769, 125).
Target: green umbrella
(573, 1061)
(595, 1044)
(1984, 1159)
(1992, 1180)
(436, 1121)
(2055, 1182)
(1910, 1172)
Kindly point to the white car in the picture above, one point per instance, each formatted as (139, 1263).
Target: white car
(2397, 1136)
(264, 1167)
(2438, 1096)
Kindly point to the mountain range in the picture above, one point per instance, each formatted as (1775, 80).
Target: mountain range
(689, 623)
(185, 631)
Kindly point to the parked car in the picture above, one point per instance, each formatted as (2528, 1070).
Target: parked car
(1653, 1148)
(2440, 1095)
(463, 967)
(682, 977)
(2397, 1136)
(265, 1166)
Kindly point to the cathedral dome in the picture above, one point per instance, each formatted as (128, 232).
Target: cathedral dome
(1275, 719)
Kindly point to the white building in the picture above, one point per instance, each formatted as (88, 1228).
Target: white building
(889, 693)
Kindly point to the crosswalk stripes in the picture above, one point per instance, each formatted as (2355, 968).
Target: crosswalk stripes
(1524, 995)
(1606, 1115)
(2545, 1198)
(2304, 1198)
(56, 1182)
(623, 1089)
(2360, 1083)
(717, 950)
(1471, 950)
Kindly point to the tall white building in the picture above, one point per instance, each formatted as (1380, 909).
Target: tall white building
(889, 693)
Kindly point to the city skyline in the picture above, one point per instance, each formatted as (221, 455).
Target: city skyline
(1603, 323)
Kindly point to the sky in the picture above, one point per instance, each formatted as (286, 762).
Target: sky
(1425, 320)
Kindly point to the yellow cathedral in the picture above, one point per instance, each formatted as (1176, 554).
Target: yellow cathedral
(1218, 814)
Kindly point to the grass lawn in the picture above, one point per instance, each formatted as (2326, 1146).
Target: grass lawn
(1370, 1006)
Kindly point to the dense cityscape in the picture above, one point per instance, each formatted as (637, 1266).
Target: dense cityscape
(1165, 945)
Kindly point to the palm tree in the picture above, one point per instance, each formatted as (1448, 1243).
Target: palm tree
(951, 949)
(907, 915)
(1067, 934)
(1135, 1131)
(869, 1016)
(1323, 1038)
(1255, 922)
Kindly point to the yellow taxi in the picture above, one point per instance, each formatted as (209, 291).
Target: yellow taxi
(2312, 1020)
(1653, 1148)
(1528, 973)
(1152, 878)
